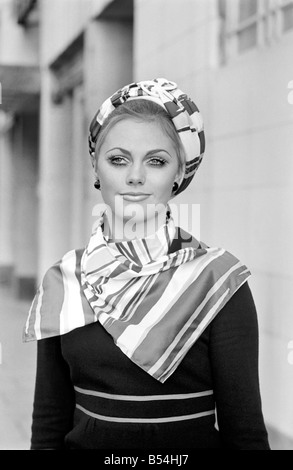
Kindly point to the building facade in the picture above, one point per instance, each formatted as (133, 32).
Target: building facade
(59, 59)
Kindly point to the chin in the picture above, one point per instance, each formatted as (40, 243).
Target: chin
(135, 211)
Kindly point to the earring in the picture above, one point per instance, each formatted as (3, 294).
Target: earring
(97, 184)
(175, 187)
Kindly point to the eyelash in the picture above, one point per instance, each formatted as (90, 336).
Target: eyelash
(114, 161)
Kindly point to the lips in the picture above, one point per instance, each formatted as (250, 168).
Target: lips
(134, 197)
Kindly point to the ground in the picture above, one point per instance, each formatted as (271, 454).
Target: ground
(17, 374)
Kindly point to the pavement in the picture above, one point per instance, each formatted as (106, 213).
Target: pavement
(17, 374)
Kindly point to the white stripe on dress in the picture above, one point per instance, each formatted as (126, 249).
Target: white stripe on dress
(174, 396)
(168, 419)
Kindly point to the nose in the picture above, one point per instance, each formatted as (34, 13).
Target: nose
(136, 175)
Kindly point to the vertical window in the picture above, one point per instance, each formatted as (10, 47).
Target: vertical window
(287, 15)
(247, 8)
(247, 24)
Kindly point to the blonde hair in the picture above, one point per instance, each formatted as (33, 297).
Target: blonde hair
(142, 109)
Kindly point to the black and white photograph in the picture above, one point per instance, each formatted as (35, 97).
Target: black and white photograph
(146, 183)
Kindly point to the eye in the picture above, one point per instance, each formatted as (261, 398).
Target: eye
(157, 161)
(117, 160)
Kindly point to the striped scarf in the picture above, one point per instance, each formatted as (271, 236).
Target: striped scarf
(155, 296)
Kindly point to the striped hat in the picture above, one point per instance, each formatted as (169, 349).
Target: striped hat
(183, 112)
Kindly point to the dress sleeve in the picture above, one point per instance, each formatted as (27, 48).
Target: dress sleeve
(54, 397)
(234, 359)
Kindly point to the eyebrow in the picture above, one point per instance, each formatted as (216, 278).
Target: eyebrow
(150, 152)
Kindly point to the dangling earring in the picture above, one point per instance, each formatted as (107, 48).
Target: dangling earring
(97, 184)
(175, 187)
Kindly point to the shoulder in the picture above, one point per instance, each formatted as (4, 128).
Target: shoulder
(218, 254)
(59, 281)
(239, 313)
(242, 298)
(58, 275)
(70, 261)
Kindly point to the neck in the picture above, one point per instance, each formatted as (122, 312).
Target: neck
(117, 229)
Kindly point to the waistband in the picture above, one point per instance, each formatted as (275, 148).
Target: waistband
(145, 408)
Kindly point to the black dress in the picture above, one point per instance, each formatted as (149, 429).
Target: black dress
(89, 395)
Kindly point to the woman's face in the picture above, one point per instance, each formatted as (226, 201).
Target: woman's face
(137, 165)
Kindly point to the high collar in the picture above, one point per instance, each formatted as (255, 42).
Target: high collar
(142, 250)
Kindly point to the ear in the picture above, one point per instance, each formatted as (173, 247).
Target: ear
(179, 175)
(93, 160)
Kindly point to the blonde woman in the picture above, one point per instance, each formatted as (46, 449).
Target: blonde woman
(147, 338)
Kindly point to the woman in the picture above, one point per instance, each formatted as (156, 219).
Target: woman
(147, 338)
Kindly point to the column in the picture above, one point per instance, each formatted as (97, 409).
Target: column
(25, 204)
(6, 204)
(55, 177)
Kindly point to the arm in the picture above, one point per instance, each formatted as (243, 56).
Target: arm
(54, 397)
(234, 358)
